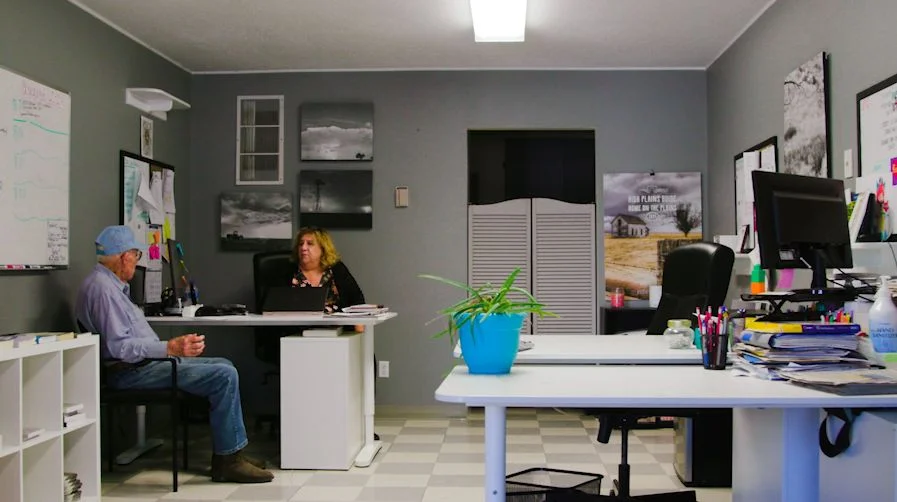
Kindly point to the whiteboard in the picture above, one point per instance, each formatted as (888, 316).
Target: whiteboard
(877, 122)
(34, 174)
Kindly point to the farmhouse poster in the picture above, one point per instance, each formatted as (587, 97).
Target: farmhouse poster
(645, 217)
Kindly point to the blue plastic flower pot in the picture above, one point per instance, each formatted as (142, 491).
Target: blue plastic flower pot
(489, 342)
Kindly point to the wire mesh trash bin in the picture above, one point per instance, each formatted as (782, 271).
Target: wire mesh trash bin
(540, 484)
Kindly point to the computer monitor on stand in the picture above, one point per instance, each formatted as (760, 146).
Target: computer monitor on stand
(802, 223)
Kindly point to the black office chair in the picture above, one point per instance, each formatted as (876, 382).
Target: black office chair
(694, 276)
(179, 402)
(270, 268)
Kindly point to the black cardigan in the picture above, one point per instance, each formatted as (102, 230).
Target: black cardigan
(349, 291)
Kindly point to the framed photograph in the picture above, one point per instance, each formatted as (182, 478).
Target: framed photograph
(256, 221)
(806, 149)
(337, 131)
(877, 129)
(146, 137)
(336, 199)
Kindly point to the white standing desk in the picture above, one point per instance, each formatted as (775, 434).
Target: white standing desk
(785, 410)
(636, 348)
(371, 447)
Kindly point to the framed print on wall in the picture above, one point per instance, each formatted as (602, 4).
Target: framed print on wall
(337, 131)
(336, 199)
(806, 149)
(256, 221)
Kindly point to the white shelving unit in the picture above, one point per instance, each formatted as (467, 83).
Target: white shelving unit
(35, 381)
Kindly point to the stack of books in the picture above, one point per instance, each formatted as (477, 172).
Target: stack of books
(71, 487)
(73, 414)
(29, 433)
(774, 350)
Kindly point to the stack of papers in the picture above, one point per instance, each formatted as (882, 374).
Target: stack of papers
(851, 382)
(362, 310)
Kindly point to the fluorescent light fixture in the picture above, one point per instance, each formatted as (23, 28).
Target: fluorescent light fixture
(498, 20)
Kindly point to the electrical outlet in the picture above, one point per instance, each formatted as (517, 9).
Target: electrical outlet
(383, 370)
(848, 163)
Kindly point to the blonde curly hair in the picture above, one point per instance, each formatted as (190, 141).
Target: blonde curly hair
(329, 255)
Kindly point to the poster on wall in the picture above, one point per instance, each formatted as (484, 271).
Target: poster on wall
(805, 151)
(645, 217)
(336, 199)
(256, 220)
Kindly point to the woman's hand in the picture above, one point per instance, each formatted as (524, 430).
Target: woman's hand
(359, 328)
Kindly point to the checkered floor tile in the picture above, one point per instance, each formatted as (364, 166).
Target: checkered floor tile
(423, 460)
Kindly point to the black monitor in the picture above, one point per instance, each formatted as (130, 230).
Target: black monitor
(801, 223)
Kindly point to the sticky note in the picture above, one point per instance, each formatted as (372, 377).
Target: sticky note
(166, 229)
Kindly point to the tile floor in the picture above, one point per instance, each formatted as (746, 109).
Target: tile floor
(423, 460)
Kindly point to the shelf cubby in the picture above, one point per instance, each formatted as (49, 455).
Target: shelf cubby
(42, 471)
(78, 447)
(42, 391)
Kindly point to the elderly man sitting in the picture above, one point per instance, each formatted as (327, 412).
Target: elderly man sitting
(104, 307)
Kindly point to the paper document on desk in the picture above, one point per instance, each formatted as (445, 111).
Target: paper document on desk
(366, 308)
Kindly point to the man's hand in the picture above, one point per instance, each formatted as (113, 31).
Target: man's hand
(190, 345)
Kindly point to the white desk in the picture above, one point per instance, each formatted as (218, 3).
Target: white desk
(602, 349)
(371, 447)
(785, 410)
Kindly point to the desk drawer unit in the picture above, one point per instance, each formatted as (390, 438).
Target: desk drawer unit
(321, 401)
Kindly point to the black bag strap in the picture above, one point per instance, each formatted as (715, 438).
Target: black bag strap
(842, 440)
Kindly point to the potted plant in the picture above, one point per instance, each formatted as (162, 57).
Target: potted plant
(488, 323)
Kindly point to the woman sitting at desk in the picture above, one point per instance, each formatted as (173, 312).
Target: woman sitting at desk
(319, 265)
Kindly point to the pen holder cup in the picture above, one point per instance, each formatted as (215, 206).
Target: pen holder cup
(714, 351)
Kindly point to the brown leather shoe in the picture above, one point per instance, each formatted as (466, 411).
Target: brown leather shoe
(234, 468)
(258, 462)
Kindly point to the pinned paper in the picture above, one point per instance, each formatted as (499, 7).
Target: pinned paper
(147, 200)
(152, 286)
(168, 191)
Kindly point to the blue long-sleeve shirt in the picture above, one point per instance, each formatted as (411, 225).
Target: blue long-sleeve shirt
(104, 307)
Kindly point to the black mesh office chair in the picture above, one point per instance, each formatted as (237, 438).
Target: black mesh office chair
(270, 268)
(694, 276)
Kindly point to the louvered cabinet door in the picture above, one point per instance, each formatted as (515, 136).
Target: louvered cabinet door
(498, 241)
(564, 276)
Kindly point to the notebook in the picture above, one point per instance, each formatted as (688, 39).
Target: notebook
(286, 299)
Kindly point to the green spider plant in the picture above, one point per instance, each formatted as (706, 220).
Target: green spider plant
(486, 299)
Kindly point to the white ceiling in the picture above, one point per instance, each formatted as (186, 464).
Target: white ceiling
(312, 35)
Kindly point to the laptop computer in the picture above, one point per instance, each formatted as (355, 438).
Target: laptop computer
(290, 300)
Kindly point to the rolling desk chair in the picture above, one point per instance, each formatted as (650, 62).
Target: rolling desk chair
(270, 268)
(694, 275)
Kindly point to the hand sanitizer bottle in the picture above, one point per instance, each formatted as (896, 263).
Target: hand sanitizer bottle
(883, 320)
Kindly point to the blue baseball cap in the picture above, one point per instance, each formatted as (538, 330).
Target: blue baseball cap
(117, 239)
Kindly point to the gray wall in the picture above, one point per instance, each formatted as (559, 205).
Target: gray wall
(60, 45)
(745, 85)
(643, 121)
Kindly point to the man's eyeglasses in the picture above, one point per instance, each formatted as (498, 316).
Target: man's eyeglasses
(138, 253)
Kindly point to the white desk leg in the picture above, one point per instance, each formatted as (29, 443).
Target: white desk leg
(495, 453)
(775, 454)
(800, 455)
(371, 447)
(143, 445)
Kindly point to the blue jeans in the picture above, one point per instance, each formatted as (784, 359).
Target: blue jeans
(214, 378)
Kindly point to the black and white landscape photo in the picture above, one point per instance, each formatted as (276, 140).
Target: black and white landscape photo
(256, 220)
(806, 136)
(336, 199)
(337, 131)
